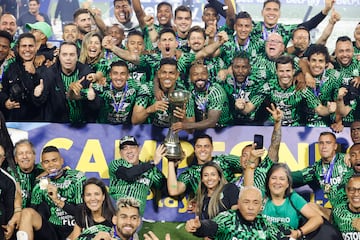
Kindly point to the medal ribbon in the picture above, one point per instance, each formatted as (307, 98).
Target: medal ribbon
(202, 104)
(239, 182)
(242, 48)
(241, 89)
(328, 174)
(265, 33)
(321, 83)
(118, 106)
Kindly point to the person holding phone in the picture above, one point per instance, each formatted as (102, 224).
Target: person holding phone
(262, 166)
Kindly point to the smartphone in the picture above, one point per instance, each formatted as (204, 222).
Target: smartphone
(259, 140)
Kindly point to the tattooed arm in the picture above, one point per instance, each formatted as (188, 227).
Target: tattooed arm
(276, 134)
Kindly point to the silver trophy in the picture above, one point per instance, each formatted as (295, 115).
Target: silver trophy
(177, 98)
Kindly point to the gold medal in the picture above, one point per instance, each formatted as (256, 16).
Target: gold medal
(327, 188)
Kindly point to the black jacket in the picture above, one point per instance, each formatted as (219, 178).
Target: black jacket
(54, 98)
(18, 85)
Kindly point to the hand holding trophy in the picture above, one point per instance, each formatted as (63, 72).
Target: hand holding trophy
(177, 98)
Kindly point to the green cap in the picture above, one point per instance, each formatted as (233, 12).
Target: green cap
(44, 27)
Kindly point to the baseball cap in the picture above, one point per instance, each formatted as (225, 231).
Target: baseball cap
(128, 140)
(44, 27)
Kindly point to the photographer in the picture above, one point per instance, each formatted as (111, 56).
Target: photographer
(19, 80)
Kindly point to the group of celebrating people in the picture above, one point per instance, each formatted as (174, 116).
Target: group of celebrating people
(233, 197)
(125, 73)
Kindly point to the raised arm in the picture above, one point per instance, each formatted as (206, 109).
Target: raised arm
(230, 14)
(251, 165)
(341, 109)
(124, 54)
(335, 17)
(139, 12)
(314, 21)
(175, 187)
(276, 134)
(211, 48)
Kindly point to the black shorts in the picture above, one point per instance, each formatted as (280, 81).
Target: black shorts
(51, 231)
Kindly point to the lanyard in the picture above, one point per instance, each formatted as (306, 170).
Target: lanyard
(242, 48)
(241, 89)
(202, 102)
(118, 106)
(239, 182)
(322, 81)
(265, 33)
(327, 174)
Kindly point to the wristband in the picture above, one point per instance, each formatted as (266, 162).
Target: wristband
(301, 232)
(18, 209)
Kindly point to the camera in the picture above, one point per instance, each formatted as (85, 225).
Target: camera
(18, 92)
(352, 93)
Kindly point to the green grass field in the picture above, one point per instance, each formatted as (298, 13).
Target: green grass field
(176, 229)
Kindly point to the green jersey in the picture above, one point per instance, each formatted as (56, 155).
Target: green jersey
(138, 189)
(288, 100)
(27, 182)
(230, 225)
(259, 175)
(90, 232)
(103, 66)
(222, 61)
(325, 86)
(288, 213)
(117, 104)
(235, 90)
(76, 108)
(260, 31)
(230, 164)
(347, 74)
(252, 47)
(213, 98)
(343, 220)
(140, 74)
(327, 176)
(69, 187)
(161, 118)
(153, 62)
(340, 190)
(264, 69)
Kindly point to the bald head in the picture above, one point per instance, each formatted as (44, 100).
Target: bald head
(8, 23)
(250, 202)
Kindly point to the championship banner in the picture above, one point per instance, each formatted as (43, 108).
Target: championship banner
(91, 148)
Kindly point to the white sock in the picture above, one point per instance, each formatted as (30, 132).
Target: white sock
(21, 235)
